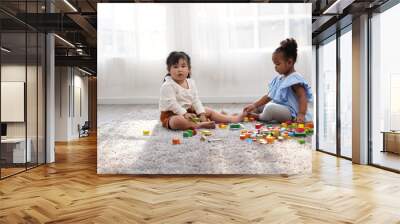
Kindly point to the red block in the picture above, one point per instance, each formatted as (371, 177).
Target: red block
(258, 126)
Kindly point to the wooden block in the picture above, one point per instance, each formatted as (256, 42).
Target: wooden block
(146, 132)
(176, 141)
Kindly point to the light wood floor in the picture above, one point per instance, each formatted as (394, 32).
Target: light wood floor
(70, 191)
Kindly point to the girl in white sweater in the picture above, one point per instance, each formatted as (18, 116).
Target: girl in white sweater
(179, 100)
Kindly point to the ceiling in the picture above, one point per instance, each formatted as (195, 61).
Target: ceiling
(76, 22)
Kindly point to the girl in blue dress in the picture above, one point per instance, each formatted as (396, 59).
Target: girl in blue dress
(289, 93)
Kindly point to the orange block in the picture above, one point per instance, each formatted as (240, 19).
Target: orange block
(222, 125)
(270, 139)
(176, 141)
(309, 125)
(242, 137)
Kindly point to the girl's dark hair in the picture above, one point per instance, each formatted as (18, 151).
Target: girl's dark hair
(173, 59)
(288, 48)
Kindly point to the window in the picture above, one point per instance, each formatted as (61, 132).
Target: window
(346, 94)
(327, 96)
(385, 87)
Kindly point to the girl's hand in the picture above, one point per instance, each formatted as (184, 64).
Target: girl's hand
(189, 116)
(300, 118)
(249, 108)
(203, 117)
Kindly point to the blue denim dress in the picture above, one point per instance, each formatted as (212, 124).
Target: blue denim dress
(280, 92)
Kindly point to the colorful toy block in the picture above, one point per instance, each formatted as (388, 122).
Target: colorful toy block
(301, 141)
(276, 133)
(203, 138)
(246, 119)
(186, 134)
(262, 141)
(309, 131)
(285, 135)
(223, 126)
(300, 126)
(309, 125)
(176, 141)
(258, 126)
(146, 132)
(206, 132)
(243, 137)
(249, 140)
(270, 139)
(280, 138)
(234, 126)
(300, 134)
(214, 140)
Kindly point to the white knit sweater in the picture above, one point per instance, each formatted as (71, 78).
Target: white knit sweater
(177, 99)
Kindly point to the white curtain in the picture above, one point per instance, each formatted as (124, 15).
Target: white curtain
(230, 46)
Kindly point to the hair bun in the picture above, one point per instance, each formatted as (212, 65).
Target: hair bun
(289, 44)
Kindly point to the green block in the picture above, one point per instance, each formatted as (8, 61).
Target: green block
(297, 134)
(234, 126)
(302, 141)
(186, 134)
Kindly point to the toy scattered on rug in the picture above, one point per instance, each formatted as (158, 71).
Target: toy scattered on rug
(222, 125)
(235, 126)
(189, 133)
(176, 141)
(267, 134)
(206, 132)
(214, 140)
(146, 132)
(263, 133)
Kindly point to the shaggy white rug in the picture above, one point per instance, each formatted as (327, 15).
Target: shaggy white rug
(122, 148)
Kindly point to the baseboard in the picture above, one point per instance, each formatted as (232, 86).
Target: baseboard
(154, 100)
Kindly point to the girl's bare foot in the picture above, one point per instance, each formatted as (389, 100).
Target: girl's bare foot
(206, 124)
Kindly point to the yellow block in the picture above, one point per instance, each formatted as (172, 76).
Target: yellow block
(146, 132)
(206, 132)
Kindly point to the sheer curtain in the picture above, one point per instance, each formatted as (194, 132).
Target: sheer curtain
(230, 45)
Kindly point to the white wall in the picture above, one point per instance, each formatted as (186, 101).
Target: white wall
(67, 115)
(14, 73)
(134, 41)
